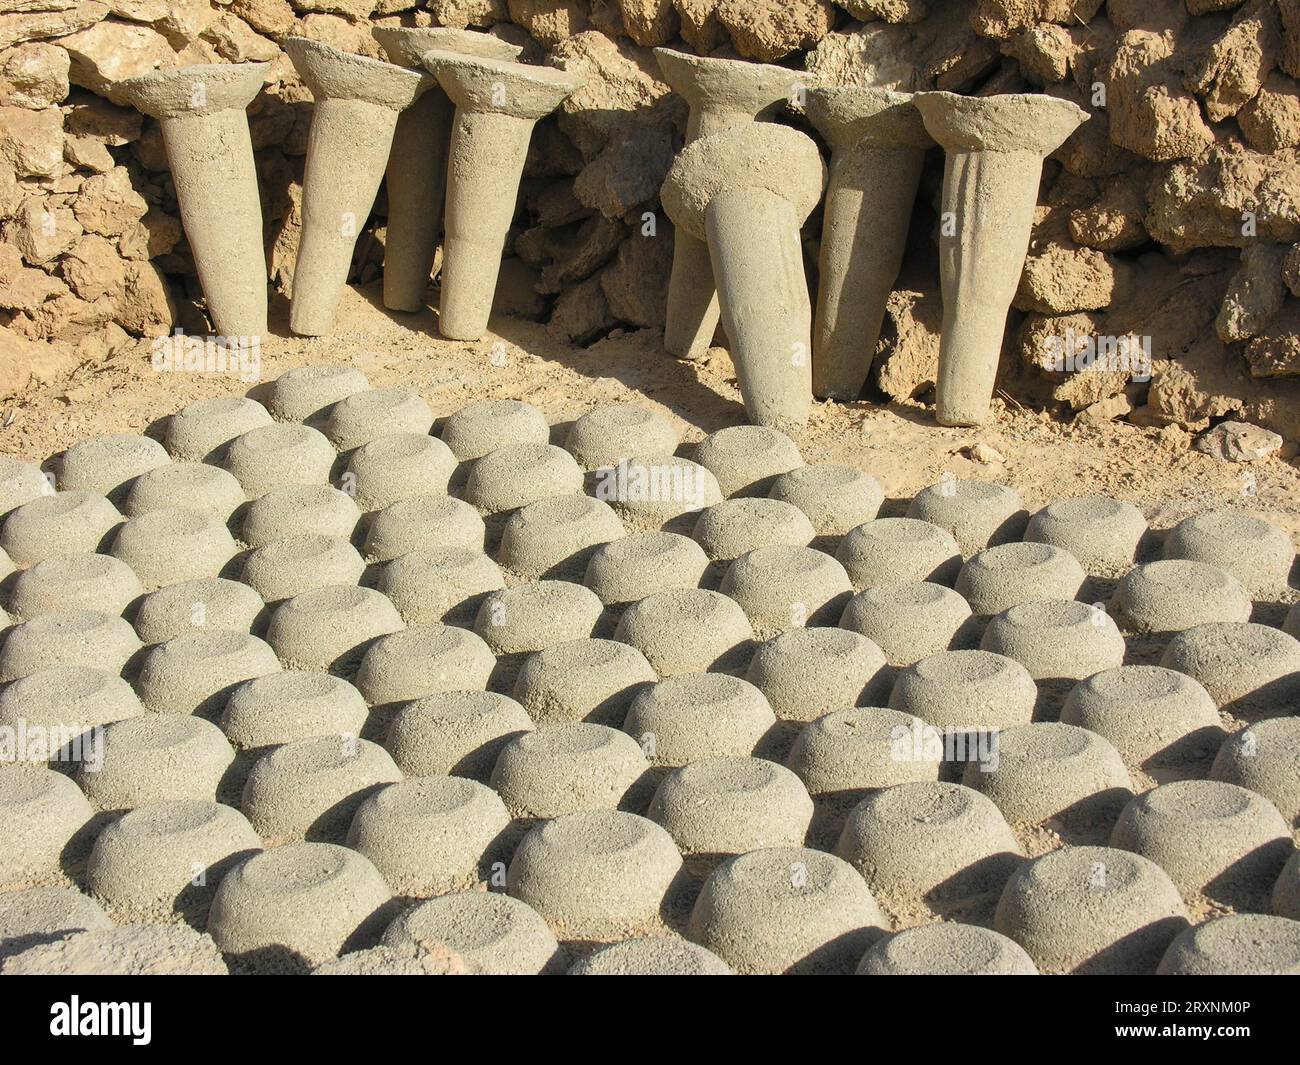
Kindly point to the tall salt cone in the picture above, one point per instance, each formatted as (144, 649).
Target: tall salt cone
(720, 93)
(201, 111)
(417, 163)
(745, 191)
(497, 105)
(878, 144)
(995, 147)
(357, 104)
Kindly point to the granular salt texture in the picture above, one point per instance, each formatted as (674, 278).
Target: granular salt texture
(515, 475)
(54, 526)
(492, 933)
(275, 456)
(310, 789)
(1151, 715)
(173, 545)
(1174, 594)
(1054, 772)
(67, 638)
(634, 567)
(131, 950)
(484, 426)
(805, 673)
(68, 700)
(947, 949)
(185, 486)
(616, 431)
(366, 416)
(898, 551)
(207, 603)
(782, 588)
(1264, 758)
(560, 769)
(415, 523)
(909, 622)
(330, 628)
(786, 910)
(106, 465)
(700, 715)
(940, 845)
(77, 582)
(1212, 838)
(40, 813)
(299, 510)
(656, 491)
(533, 617)
(556, 538)
(724, 806)
(998, 578)
(20, 482)
(747, 459)
(284, 707)
(651, 956)
(1240, 944)
(298, 905)
(975, 513)
(398, 466)
(1059, 641)
(431, 835)
(440, 584)
(597, 874)
(583, 680)
(835, 498)
(168, 858)
(195, 674)
(734, 527)
(44, 914)
(1105, 535)
(1256, 552)
(199, 431)
(1285, 899)
(1092, 910)
(1249, 670)
(392, 961)
(157, 758)
(966, 691)
(307, 391)
(861, 749)
(423, 661)
(460, 733)
(284, 568)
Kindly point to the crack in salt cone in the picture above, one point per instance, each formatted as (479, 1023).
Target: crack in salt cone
(201, 110)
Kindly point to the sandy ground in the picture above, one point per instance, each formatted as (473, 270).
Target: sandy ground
(899, 444)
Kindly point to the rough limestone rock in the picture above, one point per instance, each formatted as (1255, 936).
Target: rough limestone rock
(31, 142)
(1044, 52)
(1151, 112)
(1276, 351)
(650, 22)
(1232, 70)
(1254, 295)
(1113, 222)
(878, 55)
(907, 358)
(1237, 442)
(999, 18)
(550, 21)
(886, 10)
(1271, 121)
(767, 30)
(1059, 278)
(34, 75)
(1289, 56)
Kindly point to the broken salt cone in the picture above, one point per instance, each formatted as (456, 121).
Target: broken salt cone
(357, 104)
(200, 110)
(720, 93)
(417, 163)
(878, 145)
(497, 105)
(995, 146)
(746, 191)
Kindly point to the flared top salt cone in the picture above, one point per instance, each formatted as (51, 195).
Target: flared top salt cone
(762, 156)
(849, 115)
(335, 75)
(203, 89)
(480, 84)
(1023, 122)
(726, 85)
(404, 44)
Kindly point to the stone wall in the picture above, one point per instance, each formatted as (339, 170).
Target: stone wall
(1171, 216)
